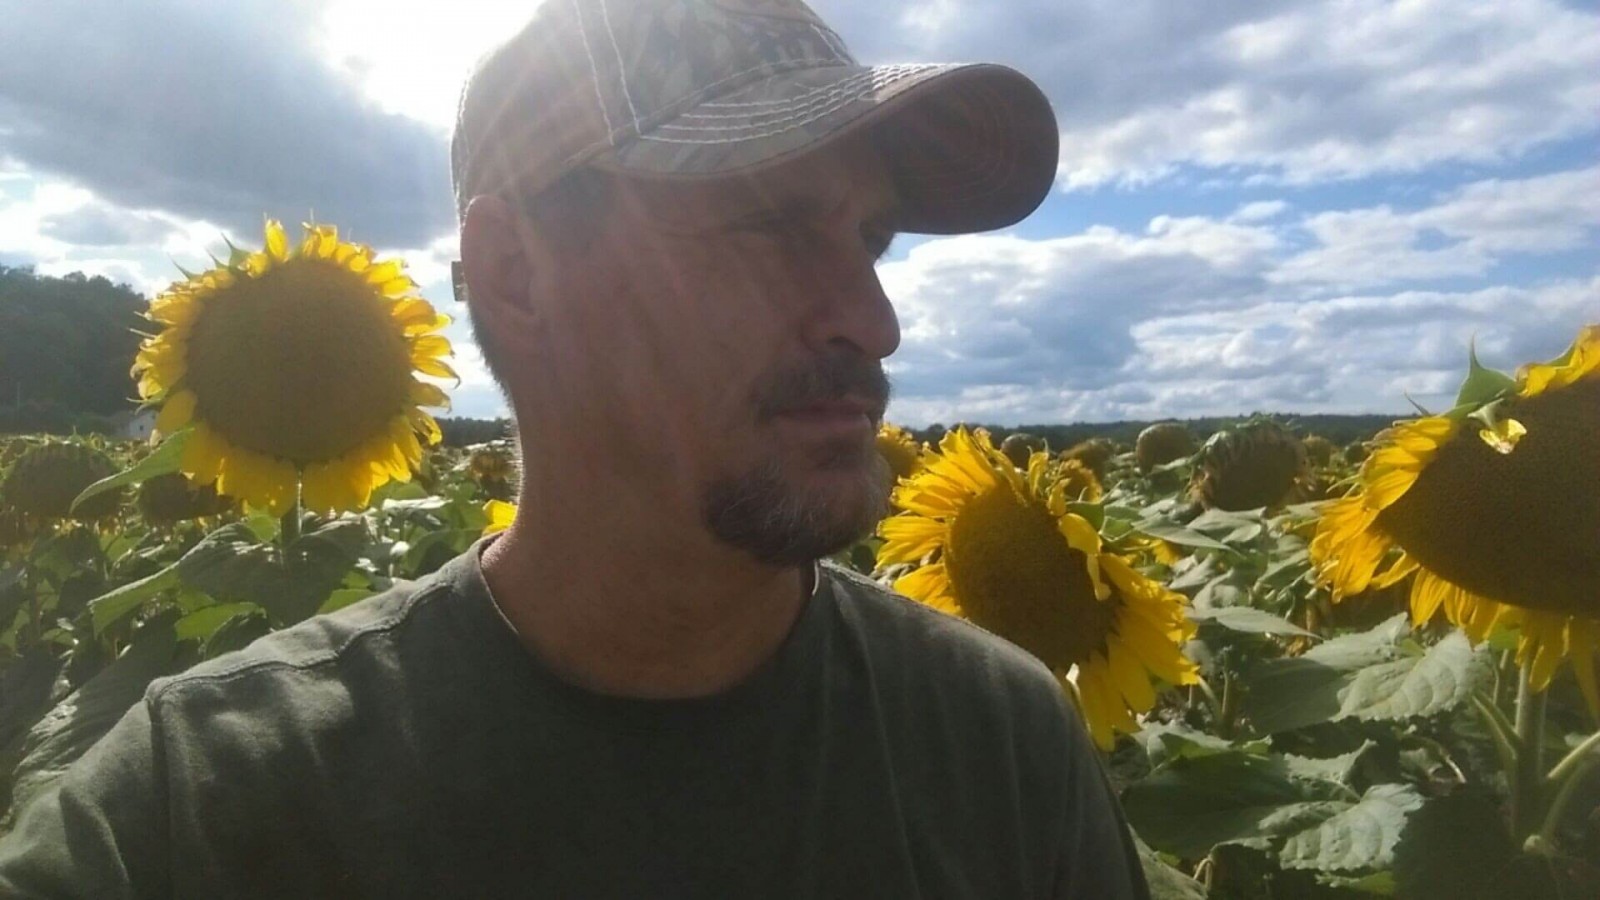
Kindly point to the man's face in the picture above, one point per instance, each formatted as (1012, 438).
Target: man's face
(725, 340)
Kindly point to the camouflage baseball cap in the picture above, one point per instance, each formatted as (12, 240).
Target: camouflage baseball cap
(709, 88)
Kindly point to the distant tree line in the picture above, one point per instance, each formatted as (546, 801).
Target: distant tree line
(462, 432)
(66, 345)
(1340, 429)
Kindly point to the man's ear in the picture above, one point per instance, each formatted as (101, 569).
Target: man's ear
(496, 262)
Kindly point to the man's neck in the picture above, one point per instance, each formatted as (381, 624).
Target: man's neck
(626, 606)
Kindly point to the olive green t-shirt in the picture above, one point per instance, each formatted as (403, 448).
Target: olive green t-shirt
(410, 746)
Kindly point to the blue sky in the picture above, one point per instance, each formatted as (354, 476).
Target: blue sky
(1295, 206)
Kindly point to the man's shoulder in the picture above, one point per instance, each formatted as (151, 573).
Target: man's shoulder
(311, 649)
(945, 649)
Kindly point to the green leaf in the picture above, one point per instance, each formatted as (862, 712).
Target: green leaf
(1178, 534)
(1197, 802)
(1369, 676)
(1286, 571)
(1166, 882)
(1249, 619)
(112, 606)
(1167, 741)
(1336, 769)
(1231, 588)
(344, 597)
(1284, 694)
(1482, 384)
(202, 623)
(232, 564)
(1362, 836)
(76, 723)
(162, 461)
(1379, 884)
(1093, 513)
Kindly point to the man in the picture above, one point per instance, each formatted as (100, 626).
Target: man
(647, 687)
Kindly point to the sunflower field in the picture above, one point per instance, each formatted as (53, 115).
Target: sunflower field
(1313, 670)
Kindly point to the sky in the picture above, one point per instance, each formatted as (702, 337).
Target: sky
(1292, 206)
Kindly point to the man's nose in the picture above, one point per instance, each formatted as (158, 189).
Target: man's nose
(852, 307)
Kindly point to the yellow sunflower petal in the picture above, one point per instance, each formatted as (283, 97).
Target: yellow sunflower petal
(909, 538)
(176, 412)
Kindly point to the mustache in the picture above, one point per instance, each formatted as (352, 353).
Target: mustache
(828, 379)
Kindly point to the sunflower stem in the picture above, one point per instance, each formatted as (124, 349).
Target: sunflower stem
(1211, 699)
(1501, 731)
(1527, 782)
(1565, 778)
(289, 525)
(1230, 707)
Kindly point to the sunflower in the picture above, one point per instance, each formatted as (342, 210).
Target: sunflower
(494, 467)
(1000, 548)
(900, 450)
(1020, 446)
(500, 515)
(44, 480)
(1493, 511)
(1253, 465)
(294, 368)
(1162, 443)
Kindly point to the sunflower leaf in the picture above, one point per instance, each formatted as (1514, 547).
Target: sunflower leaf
(1248, 619)
(1178, 534)
(1196, 802)
(1375, 675)
(1362, 836)
(111, 606)
(162, 461)
(1483, 384)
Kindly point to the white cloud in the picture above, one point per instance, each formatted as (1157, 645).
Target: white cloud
(1473, 226)
(1197, 316)
(1293, 92)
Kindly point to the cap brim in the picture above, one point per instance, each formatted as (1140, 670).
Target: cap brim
(971, 147)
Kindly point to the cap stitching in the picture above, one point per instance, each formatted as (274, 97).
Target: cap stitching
(600, 99)
(870, 71)
(888, 73)
(793, 104)
(804, 116)
(622, 70)
(833, 43)
(664, 110)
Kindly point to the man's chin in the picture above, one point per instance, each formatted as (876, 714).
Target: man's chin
(787, 517)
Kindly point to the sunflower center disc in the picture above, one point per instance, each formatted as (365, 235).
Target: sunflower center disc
(1014, 575)
(1521, 528)
(303, 363)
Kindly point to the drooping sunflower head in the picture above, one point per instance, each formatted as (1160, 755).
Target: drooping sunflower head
(900, 450)
(1001, 548)
(44, 480)
(1319, 450)
(1494, 507)
(1355, 452)
(172, 498)
(1078, 480)
(1162, 443)
(494, 467)
(295, 366)
(1096, 453)
(1020, 445)
(1250, 466)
